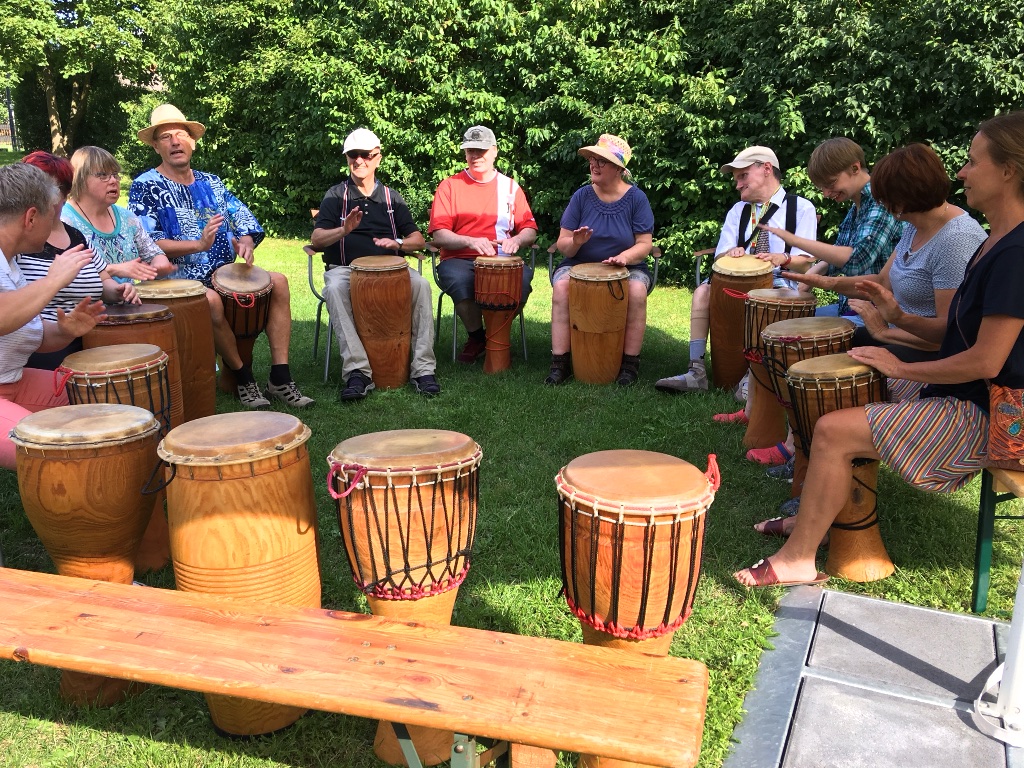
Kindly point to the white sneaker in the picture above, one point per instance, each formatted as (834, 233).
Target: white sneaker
(740, 393)
(694, 380)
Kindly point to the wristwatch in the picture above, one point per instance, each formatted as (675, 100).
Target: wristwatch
(399, 240)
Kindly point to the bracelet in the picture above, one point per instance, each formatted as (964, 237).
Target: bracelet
(787, 261)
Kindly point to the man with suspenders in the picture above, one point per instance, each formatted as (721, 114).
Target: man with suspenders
(758, 179)
(362, 217)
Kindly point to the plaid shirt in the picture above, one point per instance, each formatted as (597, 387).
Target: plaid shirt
(872, 232)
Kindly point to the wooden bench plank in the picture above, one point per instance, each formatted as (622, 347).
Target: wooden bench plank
(536, 691)
(1008, 481)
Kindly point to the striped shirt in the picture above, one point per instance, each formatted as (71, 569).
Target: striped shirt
(88, 284)
(16, 346)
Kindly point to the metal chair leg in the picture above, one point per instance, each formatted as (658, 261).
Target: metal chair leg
(316, 331)
(327, 348)
(522, 333)
(983, 545)
(455, 332)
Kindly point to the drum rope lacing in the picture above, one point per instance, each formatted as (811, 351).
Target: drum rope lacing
(377, 579)
(693, 513)
(62, 377)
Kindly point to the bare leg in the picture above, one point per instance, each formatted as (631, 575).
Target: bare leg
(700, 312)
(469, 313)
(839, 437)
(560, 336)
(636, 317)
(279, 322)
(223, 337)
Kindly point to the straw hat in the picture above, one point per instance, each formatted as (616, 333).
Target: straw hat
(166, 114)
(610, 148)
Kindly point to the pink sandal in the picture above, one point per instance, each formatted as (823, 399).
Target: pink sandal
(739, 417)
(770, 457)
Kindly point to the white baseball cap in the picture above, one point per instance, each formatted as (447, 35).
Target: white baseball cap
(361, 139)
(749, 156)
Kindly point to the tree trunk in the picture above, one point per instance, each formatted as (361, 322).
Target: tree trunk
(81, 85)
(58, 142)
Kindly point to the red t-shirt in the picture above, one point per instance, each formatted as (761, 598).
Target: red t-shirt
(496, 209)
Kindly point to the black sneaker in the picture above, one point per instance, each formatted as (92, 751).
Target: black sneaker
(356, 388)
(426, 385)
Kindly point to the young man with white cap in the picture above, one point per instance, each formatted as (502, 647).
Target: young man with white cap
(478, 212)
(758, 179)
(362, 217)
(201, 226)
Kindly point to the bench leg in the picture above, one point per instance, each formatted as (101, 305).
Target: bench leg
(983, 545)
(405, 742)
(465, 755)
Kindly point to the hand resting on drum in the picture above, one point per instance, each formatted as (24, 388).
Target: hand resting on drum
(126, 292)
(878, 358)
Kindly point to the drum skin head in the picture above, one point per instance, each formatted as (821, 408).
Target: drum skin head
(808, 327)
(598, 272)
(378, 263)
(498, 262)
(780, 296)
(169, 289)
(231, 438)
(827, 367)
(742, 266)
(121, 314)
(239, 277)
(404, 448)
(70, 425)
(112, 358)
(636, 478)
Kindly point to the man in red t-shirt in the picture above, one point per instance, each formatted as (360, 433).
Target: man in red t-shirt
(478, 212)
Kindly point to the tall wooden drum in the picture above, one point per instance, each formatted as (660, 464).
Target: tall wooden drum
(498, 285)
(243, 524)
(381, 295)
(631, 535)
(598, 300)
(830, 383)
(763, 307)
(245, 292)
(81, 474)
(194, 330)
(407, 503)
(789, 341)
(730, 278)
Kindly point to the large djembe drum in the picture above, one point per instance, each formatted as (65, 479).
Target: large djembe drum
(242, 516)
(830, 383)
(598, 301)
(730, 279)
(631, 535)
(245, 292)
(130, 374)
(381, 295)
(407, 502)
(498, 288)
(763, 307)
(789, 341)
(82, 470)
(194, 329)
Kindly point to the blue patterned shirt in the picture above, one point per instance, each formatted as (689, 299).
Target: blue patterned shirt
(172, 211)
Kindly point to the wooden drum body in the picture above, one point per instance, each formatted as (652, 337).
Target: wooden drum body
(245, 292)
(381, 296)
(790, 341)
(81, 474)
(830, 383)
(243, 524)
(194, 330)
(631, 535)
(598, 300)
(498, 285)
(407, 503)
(730, 278)
(763, 307)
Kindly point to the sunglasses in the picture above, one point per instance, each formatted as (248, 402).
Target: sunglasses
(359, 154)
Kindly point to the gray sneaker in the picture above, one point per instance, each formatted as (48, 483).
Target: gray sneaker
(251, 397)
(739, 394)
(694, 380)
(289, 395)
(782, 471)
(790, 507)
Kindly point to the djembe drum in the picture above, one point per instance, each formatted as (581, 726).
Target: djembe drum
(598, 300)
(381, 295)
(789, 341)
(763, 307)
(245, 292)
(730, 278)
(81, 474)
(131, 374)
(243, 524)
(194, 330)
(631, 535)
(498, 285)
(818, 386)
(407, 504)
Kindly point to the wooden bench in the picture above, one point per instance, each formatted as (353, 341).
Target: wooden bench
(997, 486)
(534, 691)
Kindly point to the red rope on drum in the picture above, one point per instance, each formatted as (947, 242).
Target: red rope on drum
(713, 475)
(735, 294)
(753, 355)
(249, 297)
(628, 633)
(384, 592)
(338, 471)
(58, 386)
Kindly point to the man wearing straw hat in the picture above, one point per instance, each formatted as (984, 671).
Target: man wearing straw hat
(201, 226)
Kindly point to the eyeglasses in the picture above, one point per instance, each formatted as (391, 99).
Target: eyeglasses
(599, 162)
(179, 134)
(361, 155)
(106, 176)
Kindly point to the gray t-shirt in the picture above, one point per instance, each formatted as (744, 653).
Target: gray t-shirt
(938, 265)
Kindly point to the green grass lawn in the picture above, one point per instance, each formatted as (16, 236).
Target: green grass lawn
(527, 432)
